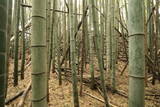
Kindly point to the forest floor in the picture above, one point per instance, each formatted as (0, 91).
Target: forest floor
(61, 96)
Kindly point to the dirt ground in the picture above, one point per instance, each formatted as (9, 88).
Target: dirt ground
(61, 96)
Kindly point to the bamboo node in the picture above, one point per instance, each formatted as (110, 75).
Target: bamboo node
(38, 16)
(38, 100)
(137, 34)
(32, 46)
(38, 73)
(135, 76)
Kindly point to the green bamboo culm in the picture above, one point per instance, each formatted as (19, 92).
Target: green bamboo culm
(83, 55)
(23, 40)
(39, 54)
(157, 24)
(3, 51)
(126, 8)
(9, 29)
(48, 33)
(91, 53)
(108, 34)
(16, 35)
(52, 34)
(72, 53)
(98, 50)
(113, 44)
(58, 51)
(136, 53)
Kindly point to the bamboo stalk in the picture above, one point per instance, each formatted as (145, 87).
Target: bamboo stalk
(39, 54)
(3, 51)
(136, 53)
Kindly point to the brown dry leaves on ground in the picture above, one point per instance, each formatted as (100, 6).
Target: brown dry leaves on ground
(61, 96)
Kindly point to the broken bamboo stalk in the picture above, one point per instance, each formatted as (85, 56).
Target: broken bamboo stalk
(7, 102)
(98, 99)
(24, 95)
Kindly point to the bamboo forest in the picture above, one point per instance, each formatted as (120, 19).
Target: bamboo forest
(79, 53)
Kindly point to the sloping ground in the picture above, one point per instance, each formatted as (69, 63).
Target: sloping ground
(61, 96)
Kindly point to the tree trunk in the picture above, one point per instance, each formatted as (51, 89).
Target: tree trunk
(53, 34)
(3, 51)
(91, 52)
(23, 40)
(99, 52)
(39, 54)
(136, 53)
(72, 53)
(16, 39)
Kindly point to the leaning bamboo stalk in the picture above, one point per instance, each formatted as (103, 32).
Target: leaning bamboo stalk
(24, 95)
(98, 99)
(75, 35)
(8, 101)
(98, 51)
(16, 34)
